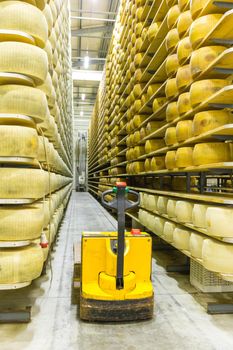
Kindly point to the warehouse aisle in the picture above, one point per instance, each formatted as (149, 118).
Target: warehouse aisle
(179, 319)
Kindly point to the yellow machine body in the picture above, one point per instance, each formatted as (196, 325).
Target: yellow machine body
(99, 266)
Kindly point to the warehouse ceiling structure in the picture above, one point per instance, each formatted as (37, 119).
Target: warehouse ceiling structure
(92, 23)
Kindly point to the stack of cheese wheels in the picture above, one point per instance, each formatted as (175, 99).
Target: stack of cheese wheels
(36, 133)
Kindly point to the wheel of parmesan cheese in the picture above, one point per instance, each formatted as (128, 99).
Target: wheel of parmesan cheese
(20, 266)
(170, 136)
(217, 256)
(162, 205)
(153, 145)
(35, 57)
(171, 89)
(183, 77)
(171, 206)
(183, 103)
(184, 50)
(21, 223)
(195, 245)
(158, 225)
(202, 58)
(208, 120)
(20, 183)
(184, 22)
(183, 211)
(170, 160)
(172, 64)
(181, 238)
(24, 141)
(152, 31)
(219, 221)
(172, 16)
(184, 157)
(172, 39)
(184, 130)
(201, 27)
(169, 228)
(203, 89)
(211, 152)
(25, 100)
(199, 215)
(172, 111)
(23, 17)
(157, 163)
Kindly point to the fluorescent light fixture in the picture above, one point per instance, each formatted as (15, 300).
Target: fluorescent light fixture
(86, 62)
(83, 97)
(90, 75)
(81, 114)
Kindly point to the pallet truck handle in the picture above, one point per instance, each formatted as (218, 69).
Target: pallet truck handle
(121, 204)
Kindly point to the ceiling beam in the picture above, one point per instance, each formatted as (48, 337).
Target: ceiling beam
(93, 19)
(95, 12)
(91, 30)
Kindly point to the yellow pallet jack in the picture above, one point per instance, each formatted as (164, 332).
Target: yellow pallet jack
(115, 282)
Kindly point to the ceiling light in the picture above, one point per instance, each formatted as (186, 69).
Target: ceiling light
(86, 62)
(81, 114)
(83, 97)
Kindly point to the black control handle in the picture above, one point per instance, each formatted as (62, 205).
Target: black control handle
(127, 204)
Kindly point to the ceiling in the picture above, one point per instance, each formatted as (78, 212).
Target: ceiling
(92, 23)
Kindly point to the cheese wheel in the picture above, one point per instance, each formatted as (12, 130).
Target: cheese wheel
(139, 119)
(184, 50)
(181, 238)
(158, 103)
(172, 39)
(183, 4)
(157, 163)
(49, 51)
(36, 67)
(170, 3)
(203, 89)
(217, 256)
(136, 137)
(171, 89)
(138, 59)
(138, 29)
(172, 111)
(172, 16)
(183, 211)
(184, 22)
(219, 221)
(184, 157)
(23, 17)
(184, 130)
(183, 77)
(138, 167)
(172, 65)
(170, 160)
(162, 205)
(168, 230)
(147, 165)
(48, 16)
(138, 44)
(199, 215)
(20, 265)
(171, 208)
(153, 126)
(18, 99)
(21, 223)
(138, 75)
(139, 151)
(184, 104)
(151, 202)
(211, 152)
(152, 89)
(142, 201)
(201, 27)
(142, 133)
(154, 145)
(25, 141)
(203, 57)
(208, 120)
(158, 225)
(170, 136)
(17, 183)
(196, 6)
(152, 31)
(195, 245)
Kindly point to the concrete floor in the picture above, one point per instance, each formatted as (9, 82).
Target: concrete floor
(180, 321)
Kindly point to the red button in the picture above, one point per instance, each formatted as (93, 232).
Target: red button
(136, 232)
